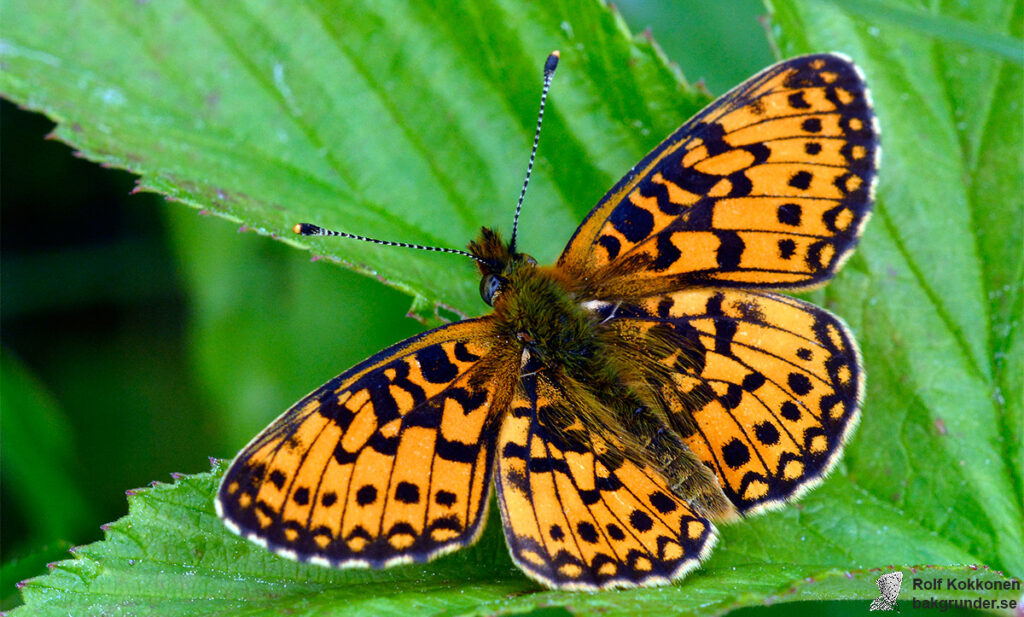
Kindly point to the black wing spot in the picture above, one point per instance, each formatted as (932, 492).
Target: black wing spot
(359, 532)
(812, 148)
(811, 125)
(753, 381)
(799, 383)
(556, 533)
(446, 522)
(514, 450)
(732, 397)
(668, 253)
(610, 244)
(665, 307)
(766, 433)
(790, 411)
(401, 529)
(797, 101)
(789, 214)
(801, 180)
(383, 445)
(301, 496)
(713, 135)
(590, 497)
(740, 184)
(730, 249)
(725, 330)
(407, 492)
(518, 481)
(366, 495)
(736, 453)
(328, 499)
(456, 451)
(277, 478)
(445, 498)
(343, 456)
(435, 365)
(787, 248)
(816, 257)
(587, 532)
(462, 353)
(662, 502)
(713, 308)
(640, 521)
(632, 222)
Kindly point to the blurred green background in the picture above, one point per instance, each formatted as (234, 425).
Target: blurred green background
(139, 337)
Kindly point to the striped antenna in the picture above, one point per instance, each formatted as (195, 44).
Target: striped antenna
(308, 229)
(549, 72)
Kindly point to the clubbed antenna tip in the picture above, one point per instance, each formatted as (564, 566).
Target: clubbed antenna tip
(552, 63)
(549, 72)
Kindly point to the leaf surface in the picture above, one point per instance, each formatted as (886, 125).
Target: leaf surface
(391, 120)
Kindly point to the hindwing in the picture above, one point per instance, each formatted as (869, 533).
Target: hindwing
(388, 462)
(768, 187)
(770, 390)
(575, 519)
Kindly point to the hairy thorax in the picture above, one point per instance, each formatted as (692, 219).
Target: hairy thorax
(539, 311)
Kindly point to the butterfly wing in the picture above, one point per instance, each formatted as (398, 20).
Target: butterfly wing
(769, 391)
(388, 462)
(574, 520)
(769, 187)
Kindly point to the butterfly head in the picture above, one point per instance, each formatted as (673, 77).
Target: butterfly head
(497, 261)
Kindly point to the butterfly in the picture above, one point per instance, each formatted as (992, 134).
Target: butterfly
(620, 403)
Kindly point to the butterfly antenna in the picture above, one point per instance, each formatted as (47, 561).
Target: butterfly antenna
(308, 229)
(549, 73)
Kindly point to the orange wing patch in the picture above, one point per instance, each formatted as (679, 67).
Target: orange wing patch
(778, 382)
(389, 462)
(769, 187)
(574, 522)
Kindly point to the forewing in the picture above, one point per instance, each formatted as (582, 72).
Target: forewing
(768, 187)
(771, 386)
(388, 462)
(574, 520)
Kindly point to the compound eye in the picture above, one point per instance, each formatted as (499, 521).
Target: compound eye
(490, 287)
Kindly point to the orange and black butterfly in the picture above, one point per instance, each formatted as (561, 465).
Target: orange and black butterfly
(650, 383)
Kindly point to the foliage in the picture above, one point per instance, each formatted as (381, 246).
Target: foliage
(395, 121)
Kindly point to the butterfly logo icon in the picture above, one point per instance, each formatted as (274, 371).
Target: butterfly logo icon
(889, 586)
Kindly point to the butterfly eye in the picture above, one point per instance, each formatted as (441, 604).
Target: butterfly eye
(490, 287)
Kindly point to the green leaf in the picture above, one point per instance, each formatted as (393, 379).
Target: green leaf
(280, 313)
(172, 556)
(340, 125)
(38, 456)
(934, 293)
(392, 120)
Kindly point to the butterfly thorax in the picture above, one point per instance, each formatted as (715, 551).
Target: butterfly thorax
(537, 310)
(535, 307)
